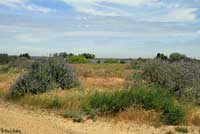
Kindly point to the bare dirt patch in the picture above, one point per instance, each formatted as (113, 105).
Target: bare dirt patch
(16, 119)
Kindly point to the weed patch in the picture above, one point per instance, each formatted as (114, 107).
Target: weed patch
(148, 98)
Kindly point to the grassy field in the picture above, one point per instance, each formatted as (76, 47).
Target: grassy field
(100, 78)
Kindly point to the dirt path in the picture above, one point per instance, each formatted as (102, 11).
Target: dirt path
(17, 120)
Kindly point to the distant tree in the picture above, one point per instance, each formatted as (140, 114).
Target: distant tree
(76, 59)
(26, 55)
(88, 55)
(55, 55)
(4, 59)
(71, 54)
(161, 56)
(122, 61)
(99, 61)
(177, 57)
(63, 54)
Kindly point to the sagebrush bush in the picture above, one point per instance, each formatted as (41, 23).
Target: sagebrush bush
(181, 77)
(148, 98)
(45, 75)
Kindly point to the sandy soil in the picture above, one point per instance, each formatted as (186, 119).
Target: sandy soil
(17, 120)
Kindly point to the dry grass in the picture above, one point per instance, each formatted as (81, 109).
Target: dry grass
(107, 83)
(102, 70)
(59, 100)
(7, 78)
(102, 76)
(193, 117)
(140, 116)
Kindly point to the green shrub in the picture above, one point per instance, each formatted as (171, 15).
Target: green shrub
(45, 75)
(111, 61)
(76, 59)
(76, 116)
(151, 98)
(181, 130)
(177, 57)
(122, 61)
(25, 55)
(5, 59)
(88, 55)
(161, 56)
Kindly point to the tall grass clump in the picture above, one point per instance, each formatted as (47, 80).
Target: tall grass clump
(148, 98)
(45, 75)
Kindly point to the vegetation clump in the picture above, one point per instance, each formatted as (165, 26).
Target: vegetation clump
(161, 56)
(181, 77)
(45, 75)
(76, 59)
(76, 116)
(111, 61)
(25, 55)
(88, 55)
(148, 98)
(181, 130)
(177, 57)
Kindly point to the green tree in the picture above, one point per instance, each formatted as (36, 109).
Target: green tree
(26, 55)
(88, 55)
(177, 57)
(76, 59)
(161, 56)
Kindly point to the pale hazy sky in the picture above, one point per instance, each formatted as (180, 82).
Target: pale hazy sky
(108, 28)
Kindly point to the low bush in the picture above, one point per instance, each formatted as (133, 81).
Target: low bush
(76, 59)
(111, 61)
(122, 62)
(151, 98)
(76, 116)
(181, 130)
(45, 75)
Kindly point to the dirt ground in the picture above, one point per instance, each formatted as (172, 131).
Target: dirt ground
(17, 120)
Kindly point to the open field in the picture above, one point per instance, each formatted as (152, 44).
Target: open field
(93, 79)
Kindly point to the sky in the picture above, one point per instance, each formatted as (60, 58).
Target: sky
(107, 28)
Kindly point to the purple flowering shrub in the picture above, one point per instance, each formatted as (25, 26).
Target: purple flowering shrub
(181, 77)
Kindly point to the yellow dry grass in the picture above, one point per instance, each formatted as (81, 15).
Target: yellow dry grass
(107, 83)
(102, 70)
(139, 116)
(193, 117)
